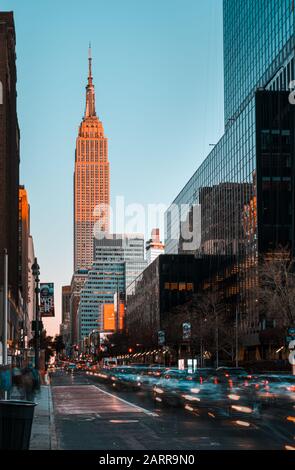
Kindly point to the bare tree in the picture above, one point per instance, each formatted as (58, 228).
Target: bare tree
(212, 306)
(205, 313)
(276, 287)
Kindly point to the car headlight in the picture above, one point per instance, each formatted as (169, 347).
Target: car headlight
(190, 398)
(234, 397)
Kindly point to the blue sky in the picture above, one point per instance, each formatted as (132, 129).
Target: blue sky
(158, 72)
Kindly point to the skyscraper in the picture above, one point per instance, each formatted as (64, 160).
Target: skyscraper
(102, 282)
(118, 260)
(122, 247)
(245, 186)
(258, 39)
(91, 181)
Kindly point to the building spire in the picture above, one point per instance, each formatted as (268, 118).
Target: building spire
(90, 93)
(90, 64)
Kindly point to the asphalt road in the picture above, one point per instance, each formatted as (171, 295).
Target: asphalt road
(92, 416)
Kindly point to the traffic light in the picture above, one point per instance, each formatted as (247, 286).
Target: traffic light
(130, 350)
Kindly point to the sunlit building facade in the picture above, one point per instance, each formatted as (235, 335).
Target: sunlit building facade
(91, 181)
(154, 246)
(24, 267)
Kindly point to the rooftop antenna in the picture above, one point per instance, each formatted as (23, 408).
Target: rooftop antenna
(90, 61)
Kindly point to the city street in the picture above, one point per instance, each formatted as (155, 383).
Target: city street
(147, 238)
(91, 416)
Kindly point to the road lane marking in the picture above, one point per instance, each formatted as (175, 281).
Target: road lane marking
(144, 410)
(123, 421)
(68, 400)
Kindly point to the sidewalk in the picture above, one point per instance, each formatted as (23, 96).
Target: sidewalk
(43, 436)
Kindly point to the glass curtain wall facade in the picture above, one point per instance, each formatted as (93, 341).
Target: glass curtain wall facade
(103, 281)
(167, 282)
(219, 203)
(275, 171)
(122, 247)
(118, 260)
(258, 48)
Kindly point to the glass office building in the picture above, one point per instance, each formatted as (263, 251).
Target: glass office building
(122, 247)
(221, 208)
(258, 50)
(103, 281)
(119, 259)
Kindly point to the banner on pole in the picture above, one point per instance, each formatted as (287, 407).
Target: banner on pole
(47, 299)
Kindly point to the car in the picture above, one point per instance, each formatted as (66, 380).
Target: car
(125, 377)
(225, 393)
(149, 376)
(232, 374)
(166, 389)
(275, 389)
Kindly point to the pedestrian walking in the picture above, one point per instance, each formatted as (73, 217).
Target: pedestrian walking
(28, 383)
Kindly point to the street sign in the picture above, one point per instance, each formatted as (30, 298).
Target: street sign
(290, 334)
(161, 338)
(186, 331)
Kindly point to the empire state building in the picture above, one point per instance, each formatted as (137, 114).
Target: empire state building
(91, 181)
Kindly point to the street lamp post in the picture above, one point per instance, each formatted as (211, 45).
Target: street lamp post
(36, 274)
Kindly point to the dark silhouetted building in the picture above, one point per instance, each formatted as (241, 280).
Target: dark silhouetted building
(9, 169)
